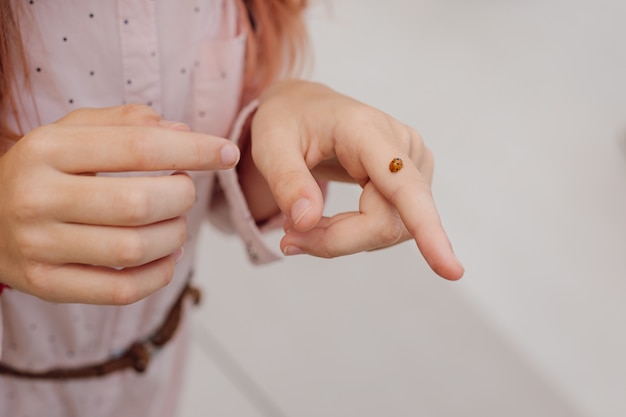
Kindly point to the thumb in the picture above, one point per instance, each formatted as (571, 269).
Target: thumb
(280, 159)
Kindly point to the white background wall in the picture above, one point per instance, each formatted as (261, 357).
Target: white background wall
(524, 106)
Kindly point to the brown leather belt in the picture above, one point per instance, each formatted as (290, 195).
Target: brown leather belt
(136, 356)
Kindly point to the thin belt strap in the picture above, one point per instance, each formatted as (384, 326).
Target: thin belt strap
(136, 356)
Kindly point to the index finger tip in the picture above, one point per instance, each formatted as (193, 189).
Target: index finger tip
(449, 268)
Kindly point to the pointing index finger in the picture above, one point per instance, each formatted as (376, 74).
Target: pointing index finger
(410, 193)
(79, 149)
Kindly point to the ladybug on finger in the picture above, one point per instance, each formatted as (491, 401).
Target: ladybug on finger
(395, 165)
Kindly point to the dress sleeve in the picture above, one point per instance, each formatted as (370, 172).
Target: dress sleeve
(229, 211)
(1, 328)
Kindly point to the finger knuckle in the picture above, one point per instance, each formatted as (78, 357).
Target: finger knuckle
(413, 140)
(414, 134)
(166, 274)
(30, 206)
(27, 243)
(36, 280)
(132, 287)
(136, 207)
(139, 148)
(135, 113)
(125, 292)
(391, 230)
(39, 142)
(328, 248)
(187, 190)
(363, 115)
(75, 115)
(370, 122)
(130, 249)
(177, 232)
(285, 181)
(323, 251)
(181, 233)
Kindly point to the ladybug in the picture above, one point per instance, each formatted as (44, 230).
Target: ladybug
(395, 165)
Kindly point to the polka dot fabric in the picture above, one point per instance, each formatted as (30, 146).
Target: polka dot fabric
(184, 58)
(108, 53)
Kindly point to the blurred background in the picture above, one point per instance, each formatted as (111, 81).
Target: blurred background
(524, 106)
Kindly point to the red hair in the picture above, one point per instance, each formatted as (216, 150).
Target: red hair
(12, 60)
(276, 42)
(278, 38)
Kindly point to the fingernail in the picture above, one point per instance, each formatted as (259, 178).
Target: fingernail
(179, 172)
(169, 124)
(292, 250)
(299, 209)
(230, 154)
(179, 254)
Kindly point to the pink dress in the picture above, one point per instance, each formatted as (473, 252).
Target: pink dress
(185, 59)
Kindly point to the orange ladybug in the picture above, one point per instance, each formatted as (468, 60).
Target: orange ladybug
(395, 165)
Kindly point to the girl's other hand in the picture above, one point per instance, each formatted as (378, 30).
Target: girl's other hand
(67, 235)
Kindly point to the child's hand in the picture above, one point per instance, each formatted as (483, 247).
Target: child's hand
(304, 129)
(64, 230)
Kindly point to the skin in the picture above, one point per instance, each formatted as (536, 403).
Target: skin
(63, 230)
(67, 237)
(321, 134)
